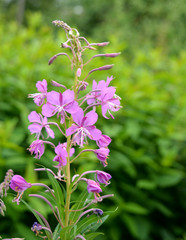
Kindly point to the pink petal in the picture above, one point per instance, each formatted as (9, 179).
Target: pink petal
(104, 108)
(94, 132)
(50, 132)
(91, 118)
(42, 86)
(35, 128)
(108, 93)
(48, 110)
(53, 98)
(34, 117)
(72, 107)
(78, 116)
(94, 85)
(71, 130)
(68, 96)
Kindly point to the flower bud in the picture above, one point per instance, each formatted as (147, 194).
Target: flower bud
(106, 67)
(19, 184)
(104, 141)
(112, 54)
(103, 177)
(102, 44)
(52, 59)
(78, 73)
(98, 212)
(93, 186)
(56, 84)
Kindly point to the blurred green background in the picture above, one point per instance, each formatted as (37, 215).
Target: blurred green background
(147, 154)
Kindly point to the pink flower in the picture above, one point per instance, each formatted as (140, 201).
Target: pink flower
(37, 147)
(93, 186)
(39, 97)
(60, 103)
(104, 141)
(103, 177)
(84, 127)
(61, 155)
(109, 102)
(38, 123)
(95, 95)
(19, 184)
(102, 155)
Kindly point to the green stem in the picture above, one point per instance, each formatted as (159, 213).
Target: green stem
(68, 191)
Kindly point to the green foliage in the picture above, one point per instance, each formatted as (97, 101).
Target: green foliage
(147, 152)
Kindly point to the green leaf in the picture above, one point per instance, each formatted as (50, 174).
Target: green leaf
(56, 232)
(80, 202)
(133, 207)
(91, 223)
(58, 194)
(37, 217)
(65, 233)
(92, 236)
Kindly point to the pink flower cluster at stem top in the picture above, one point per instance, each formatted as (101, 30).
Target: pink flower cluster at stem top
(74, 113)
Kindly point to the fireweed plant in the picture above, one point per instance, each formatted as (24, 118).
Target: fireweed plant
(75, 108)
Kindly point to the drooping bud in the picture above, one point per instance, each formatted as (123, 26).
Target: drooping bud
(52, 59)
(19, 184)
(36, 228)
(103, 177)
(104, 141)
(98, 211)
(93, 186)
(82, 85)
(102, 155)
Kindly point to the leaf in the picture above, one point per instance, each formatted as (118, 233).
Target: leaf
(91, 223)
(80, 202)
(133, 207)
(58, 194)
(37, 217)
(92, 236)
(56, 232)
(65, 233)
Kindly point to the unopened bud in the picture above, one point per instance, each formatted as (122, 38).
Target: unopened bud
(106, 67)
(82, 85)
(64, 45)
(112, 54)
(102, 44)
(52, 59)
(56, 84)
(78, 73)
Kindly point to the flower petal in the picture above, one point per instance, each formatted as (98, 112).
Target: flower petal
(94, 132)
(91, 118)
(42, 86)
(68, 96)
(48, 110)
(78, 116)
(34, 117)
(71, 130)
(35, 128)
(53, 97)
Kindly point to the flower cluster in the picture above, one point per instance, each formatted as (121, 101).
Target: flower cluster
(76, 110)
